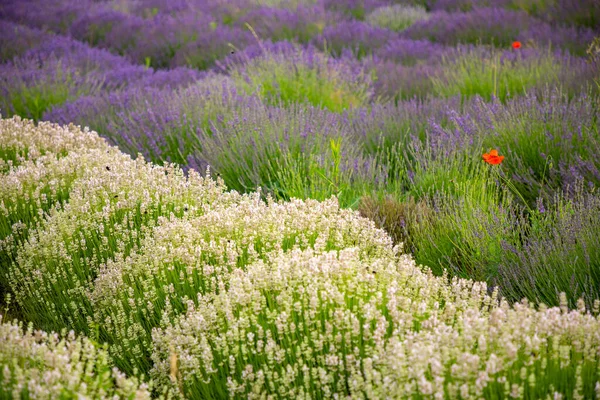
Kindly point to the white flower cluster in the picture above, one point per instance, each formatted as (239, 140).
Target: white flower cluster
(111, 207)
(38, 166)
(22, 140)
(227, 295)
(38, 365)
(132, 241)
(182, 258)
(308, 325)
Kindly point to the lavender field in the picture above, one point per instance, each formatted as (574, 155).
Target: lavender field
(299, 199)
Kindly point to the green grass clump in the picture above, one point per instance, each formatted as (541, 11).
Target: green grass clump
(298, 152)
(496, 76)
(31, 97)
(473, 210)
(304, 76)
(466, 236)
(400, 219)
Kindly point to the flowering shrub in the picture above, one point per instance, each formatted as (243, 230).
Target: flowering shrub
(110, 208)
(40, 365)
(184, 258)
(220, 294)
(410, 52)
(360, 38)
(307, 325)
(503, 74)
(498, 27)
(162, 124)
(297, 151)
(280, 292)
(301, 23)
(21, 140)
(39, 167)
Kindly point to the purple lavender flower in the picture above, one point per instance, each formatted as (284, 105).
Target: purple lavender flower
(172, 78)
(384, 125)
(300, 24)
(57, 70)
(357, 9)
(467, 5)
(211, 45)
(248, 53)
(53, 15)
(395, 81)
(96, 25)
(160, 123)
(360, 37)
(410, 52)
(15, 39)
(495, 26)
(160, 38)
(582, 13)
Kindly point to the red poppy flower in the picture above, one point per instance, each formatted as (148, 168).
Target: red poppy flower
(492, 157)
(516, 45)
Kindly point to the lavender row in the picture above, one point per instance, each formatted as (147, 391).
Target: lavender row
(199, 33)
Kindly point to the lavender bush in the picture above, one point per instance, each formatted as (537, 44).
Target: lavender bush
(227, 281)
(466, 132)
(358, 37)
(496, 26)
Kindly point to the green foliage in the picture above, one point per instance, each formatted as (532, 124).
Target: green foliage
(493, 76)
(290, 79)
(292, 153)
(560, 255)
(32, 99)
(400, 219)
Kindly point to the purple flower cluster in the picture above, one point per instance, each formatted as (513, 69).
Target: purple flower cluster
(496, 26)
(211, 45)
(56, 69)
(52, 15)
(357, 9)
(410, 52)
(394, 81)
(260, 49)
(466, 5)
(582, 13)
(160, 123)
(15, 39)
(300, 24)
(359, 37)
